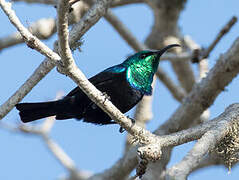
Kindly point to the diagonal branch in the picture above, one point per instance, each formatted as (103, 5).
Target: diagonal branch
(88, 20)
(31, 41)
(70, 69)
(49, 2)
(201, 97)
(124, 32)
(219, 36)
(39, 73)
(38, 28)
(42, 70)
(116, 3)
(205, 144)
(46, 66)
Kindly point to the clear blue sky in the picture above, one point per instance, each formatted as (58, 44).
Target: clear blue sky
(95, 148)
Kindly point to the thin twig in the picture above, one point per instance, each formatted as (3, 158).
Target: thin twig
(46, 66)
(31, 41)
(198, 53)
(87, 21)
(219, 36)
(43, 131)
(60, 155)
(49, 2)
(56, 150)
(124, 32)
(38, 28)
(115, 172)
(117, 3)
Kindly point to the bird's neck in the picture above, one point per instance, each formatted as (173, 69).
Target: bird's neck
(141, 77)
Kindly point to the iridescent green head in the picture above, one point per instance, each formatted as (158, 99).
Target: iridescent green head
(141, 68)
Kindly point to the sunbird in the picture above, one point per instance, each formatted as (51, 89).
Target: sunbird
(124, 84)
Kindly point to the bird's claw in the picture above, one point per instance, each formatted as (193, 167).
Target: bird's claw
(132, 120)
(121, 129)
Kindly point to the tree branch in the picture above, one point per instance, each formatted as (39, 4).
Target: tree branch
(205, 92)
(70, 69)
(39, 73)
(46, 66)
(38, 28)
(116, 3)
(201, 97)
(205, 144)
(29, 39)
(49, 2)
(124, 32)
(219, 36)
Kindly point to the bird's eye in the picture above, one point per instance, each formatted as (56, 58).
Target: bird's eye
(142, 56)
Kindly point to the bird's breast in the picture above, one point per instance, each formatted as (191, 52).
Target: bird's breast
(122, 94)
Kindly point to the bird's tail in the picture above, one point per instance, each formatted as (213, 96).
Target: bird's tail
(33, 111)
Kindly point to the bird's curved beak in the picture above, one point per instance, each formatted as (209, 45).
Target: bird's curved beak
(161, 51)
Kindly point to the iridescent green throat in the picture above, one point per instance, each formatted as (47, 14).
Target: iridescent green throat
(140, 71)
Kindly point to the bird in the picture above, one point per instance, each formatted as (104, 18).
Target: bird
(124, 84)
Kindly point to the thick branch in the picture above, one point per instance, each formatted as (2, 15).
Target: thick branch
(205, 144)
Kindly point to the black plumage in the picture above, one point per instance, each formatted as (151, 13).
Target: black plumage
(77, 105)
(125, 84)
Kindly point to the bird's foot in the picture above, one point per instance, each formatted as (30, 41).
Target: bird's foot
(121, 129)
(132, 120)
(106, 96)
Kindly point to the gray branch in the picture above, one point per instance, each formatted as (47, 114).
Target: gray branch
(205, 92)
(46, 66)
(205, 144)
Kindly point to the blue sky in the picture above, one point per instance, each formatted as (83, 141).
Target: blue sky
(92, 147)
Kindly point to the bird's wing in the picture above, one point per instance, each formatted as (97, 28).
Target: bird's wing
(103, 77)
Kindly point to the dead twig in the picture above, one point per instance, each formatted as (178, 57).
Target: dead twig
(204, 53)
